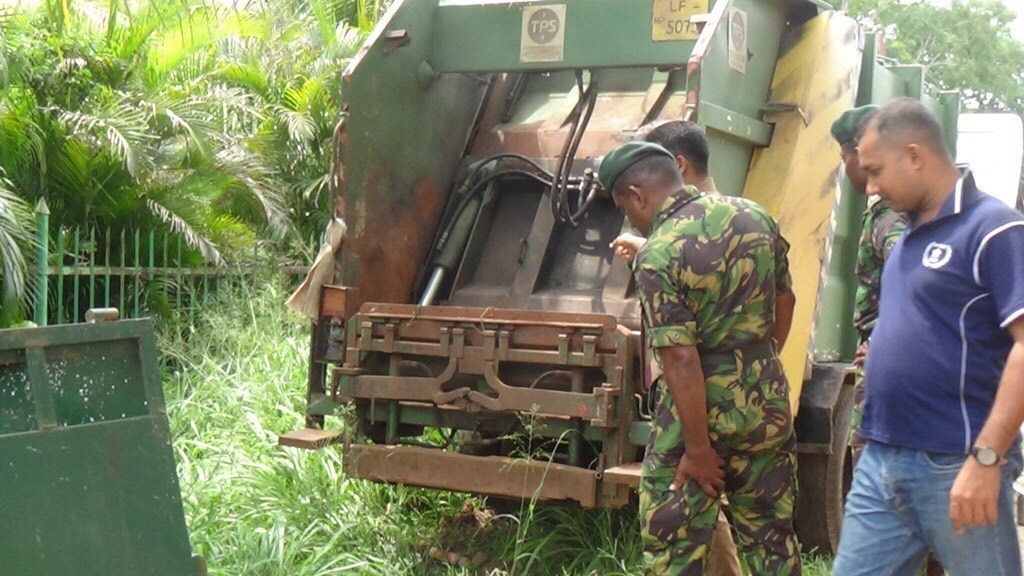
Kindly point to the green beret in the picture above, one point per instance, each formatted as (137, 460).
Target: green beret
(617, 161)
(844, 129)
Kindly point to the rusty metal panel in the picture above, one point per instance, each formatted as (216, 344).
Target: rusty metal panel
(492, 475)
(399, 148)
(338, 301)
(476, 342)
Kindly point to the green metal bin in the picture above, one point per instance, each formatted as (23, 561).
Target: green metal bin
(88, 484)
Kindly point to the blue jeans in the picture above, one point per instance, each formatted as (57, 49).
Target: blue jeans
(898, 510)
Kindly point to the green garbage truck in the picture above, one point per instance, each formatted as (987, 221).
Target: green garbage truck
(477, 301)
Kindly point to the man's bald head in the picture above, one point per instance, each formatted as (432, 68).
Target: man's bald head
(906, 121)
(905, 158)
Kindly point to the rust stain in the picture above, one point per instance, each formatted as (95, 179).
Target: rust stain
(426, 198)
(391, 237)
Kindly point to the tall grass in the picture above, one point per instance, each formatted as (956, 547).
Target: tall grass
(235, 379)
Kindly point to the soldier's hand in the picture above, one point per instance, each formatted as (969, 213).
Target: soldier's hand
(627, 245)
(973, 499)
(702, 466)
(862, 355)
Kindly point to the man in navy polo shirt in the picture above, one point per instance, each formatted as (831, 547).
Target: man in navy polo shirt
(946, 366)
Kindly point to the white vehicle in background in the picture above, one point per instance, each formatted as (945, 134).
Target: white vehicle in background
(992, 145)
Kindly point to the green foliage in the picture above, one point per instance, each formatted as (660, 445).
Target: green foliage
(234, 381)
(236, 378)
(15, 240)
(213, 122)
(967, 46)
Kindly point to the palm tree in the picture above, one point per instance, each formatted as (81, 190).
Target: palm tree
(211, 122)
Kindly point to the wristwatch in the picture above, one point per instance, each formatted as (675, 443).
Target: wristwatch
(987, 456)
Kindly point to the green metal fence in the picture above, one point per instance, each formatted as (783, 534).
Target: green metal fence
(140, 273)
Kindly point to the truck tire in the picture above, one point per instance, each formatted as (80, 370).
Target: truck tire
(822, 483)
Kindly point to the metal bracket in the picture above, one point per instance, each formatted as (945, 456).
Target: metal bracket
(445, 339)
(458, 342)
(606, 395)
(366, 334)
(395, 39)
(563, 348)
(590, 350)
(783, 106)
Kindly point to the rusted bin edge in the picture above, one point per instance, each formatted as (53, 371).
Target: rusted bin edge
(490, 475)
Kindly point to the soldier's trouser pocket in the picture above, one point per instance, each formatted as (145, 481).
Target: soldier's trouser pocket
(748, 405)
(676, 526)
(761, 487)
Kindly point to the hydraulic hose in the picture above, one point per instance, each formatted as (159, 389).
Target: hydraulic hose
(452, 241)
(560, 187)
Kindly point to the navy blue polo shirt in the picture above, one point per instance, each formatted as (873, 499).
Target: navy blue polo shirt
(949, 289)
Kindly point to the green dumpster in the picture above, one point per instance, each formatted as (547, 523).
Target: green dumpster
(88, 484)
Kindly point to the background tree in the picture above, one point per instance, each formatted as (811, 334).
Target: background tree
(966, 46)
(210, 121)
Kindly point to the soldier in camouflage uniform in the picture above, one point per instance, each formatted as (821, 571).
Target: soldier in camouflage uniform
(882, 227)
(688, 143)
(709, 278)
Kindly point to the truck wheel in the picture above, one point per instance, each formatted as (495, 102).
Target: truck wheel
(822, 483)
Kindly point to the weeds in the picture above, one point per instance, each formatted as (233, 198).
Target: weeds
(235, 379)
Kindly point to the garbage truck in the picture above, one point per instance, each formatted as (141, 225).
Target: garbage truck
(479, 335)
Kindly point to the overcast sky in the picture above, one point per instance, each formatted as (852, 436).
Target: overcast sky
(1018, 26)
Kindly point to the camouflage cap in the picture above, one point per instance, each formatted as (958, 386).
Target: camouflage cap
(617, 161)
(844, 129)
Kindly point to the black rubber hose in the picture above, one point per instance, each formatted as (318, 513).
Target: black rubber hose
(480, 165)
(452, 217)
(569, 218)
(476, 189)
(574, 219)
(556, 197)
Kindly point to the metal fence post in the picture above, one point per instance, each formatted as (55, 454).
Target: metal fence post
(42, 260)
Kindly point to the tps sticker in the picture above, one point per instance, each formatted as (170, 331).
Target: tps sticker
(936, 255)
(672, 19)
(738, 40)
(543, 38)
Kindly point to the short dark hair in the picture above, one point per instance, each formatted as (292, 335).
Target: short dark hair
(653, 170)
(683, 138)
(907, 120)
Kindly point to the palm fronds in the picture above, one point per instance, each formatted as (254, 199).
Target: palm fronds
(16, 239)
(181, 225)
(209, 122)
(118, 127)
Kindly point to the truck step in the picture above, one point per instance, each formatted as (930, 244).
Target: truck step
(310, 438)
(628, 474)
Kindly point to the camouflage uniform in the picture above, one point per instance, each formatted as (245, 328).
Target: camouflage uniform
(707, 277)
(882, 227)
(722, 557)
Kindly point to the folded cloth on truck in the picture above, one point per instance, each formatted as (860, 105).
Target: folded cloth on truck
(306, 298)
